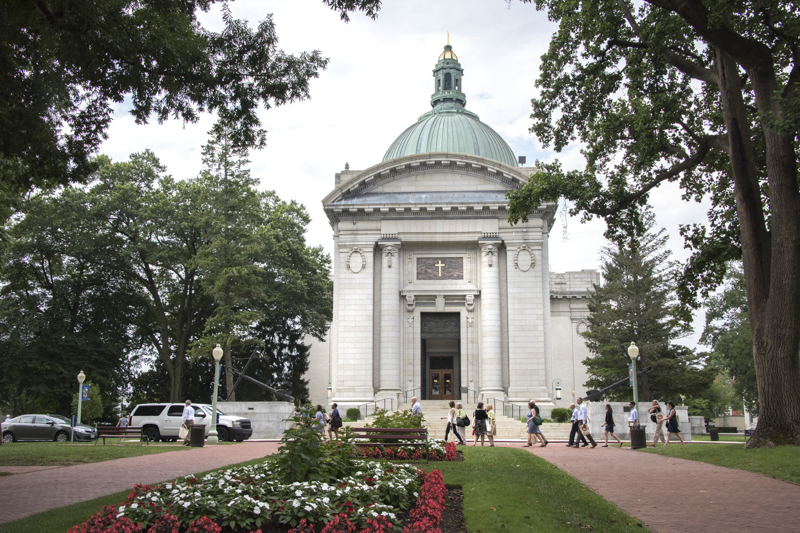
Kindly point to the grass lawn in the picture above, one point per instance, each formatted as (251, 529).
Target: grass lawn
(722, 436)
(511, 490)
(782, 462)
(64, 454)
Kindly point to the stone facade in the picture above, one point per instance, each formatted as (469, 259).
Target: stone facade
(436, 295)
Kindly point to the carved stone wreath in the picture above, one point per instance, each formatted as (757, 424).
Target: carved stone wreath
(524, 258)
(360, 262)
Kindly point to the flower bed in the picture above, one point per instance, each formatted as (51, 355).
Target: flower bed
(247, 498)
(438, 451)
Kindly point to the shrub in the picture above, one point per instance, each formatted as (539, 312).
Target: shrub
(353, 414)
(398, 419)
(560, 414)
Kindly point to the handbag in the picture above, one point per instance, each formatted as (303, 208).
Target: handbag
(463, 422)
(653, 418)
(538, 420)
(585, 429)
(183, 432)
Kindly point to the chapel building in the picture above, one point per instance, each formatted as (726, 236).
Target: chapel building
(436, 295)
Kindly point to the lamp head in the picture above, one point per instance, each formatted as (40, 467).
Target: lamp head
(217, 353)
(558, 392)
(81, 377)
(633, 351)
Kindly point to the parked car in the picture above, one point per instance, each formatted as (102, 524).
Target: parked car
(45, 428)
(162, 421)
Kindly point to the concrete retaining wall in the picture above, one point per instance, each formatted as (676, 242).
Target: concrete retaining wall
(597, 417)
(267, 418)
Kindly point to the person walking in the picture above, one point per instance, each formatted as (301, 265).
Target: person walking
(583, 421)
(480, 417)
(335, 423)
(319, 416)
(451, 424)
(534, 432)
(460, 428)
(491, 424)
(672, 424)
(188, 421)
(658, 418)
(610, 426)
(576, 429)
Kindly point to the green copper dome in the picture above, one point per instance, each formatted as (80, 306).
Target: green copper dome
(449, 127)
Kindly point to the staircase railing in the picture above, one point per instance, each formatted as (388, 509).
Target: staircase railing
(508, 409)
(406, 394)
(377, 404)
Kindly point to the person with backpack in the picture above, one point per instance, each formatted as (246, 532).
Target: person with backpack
(672, 424)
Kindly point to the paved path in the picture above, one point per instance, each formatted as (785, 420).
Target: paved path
(35, 491)
(676, 495)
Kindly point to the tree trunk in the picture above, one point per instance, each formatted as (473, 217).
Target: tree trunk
(771, 259)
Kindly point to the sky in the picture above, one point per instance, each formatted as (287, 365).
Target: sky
(378, 82)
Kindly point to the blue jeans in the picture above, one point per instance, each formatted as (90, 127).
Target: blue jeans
(455, 432)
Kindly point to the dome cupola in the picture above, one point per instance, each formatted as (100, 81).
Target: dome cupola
(449, 127)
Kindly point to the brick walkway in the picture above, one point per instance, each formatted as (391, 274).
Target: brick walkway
(676, 495)
(46, 488)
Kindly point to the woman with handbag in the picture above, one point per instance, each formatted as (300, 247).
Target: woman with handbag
(462, 421)
(610, 426)
(672, 424)
(336, 422)
(534, 420)
(480, 423)
(491, 424)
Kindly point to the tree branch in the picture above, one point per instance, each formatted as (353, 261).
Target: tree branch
(47, 13)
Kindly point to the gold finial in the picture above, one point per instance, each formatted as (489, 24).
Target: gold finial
(448, 37)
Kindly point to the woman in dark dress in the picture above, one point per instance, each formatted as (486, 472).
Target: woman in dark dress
(335, 423)
(480, 423)
(672, 424)
(610, 426)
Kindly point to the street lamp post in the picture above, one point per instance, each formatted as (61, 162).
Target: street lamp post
(212, 434)
(557, 388)
(81, 379)
(633, 353)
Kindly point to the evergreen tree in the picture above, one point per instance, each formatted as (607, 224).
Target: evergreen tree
(634, 305)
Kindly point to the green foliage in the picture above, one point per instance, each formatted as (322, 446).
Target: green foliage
(634, 305)
(91, 409)
(560, 414)
(353, 414)
(729, 334)
(66, 64)
(397, 419)
(306, 456)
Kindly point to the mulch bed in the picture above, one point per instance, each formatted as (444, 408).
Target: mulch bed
(453, 517)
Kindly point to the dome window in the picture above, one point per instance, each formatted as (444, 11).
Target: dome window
(448, 82)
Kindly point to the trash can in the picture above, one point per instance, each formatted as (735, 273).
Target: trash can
(714, 432)
(638, 438)
(197, 438)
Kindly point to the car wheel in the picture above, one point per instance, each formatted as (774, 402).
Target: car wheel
(239, 440)
(222, 434)
(61, 436)
(151, 433)
(8, 438)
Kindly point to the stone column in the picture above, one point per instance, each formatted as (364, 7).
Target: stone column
(391, 327)
(490, 348)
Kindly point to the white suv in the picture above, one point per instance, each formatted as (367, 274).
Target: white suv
(162, 421)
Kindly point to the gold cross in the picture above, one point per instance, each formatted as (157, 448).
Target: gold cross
(440, 265)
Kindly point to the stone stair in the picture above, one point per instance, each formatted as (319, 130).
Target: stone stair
(435, 413)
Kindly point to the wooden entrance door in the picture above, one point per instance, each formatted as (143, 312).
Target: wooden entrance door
(440, 383)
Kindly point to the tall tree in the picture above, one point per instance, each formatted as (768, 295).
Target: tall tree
(153, 238)
(728, 333)
(63, 64)
(633, 304)
(704, 94)
(61, 311)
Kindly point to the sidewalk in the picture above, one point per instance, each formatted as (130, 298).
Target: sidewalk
(676, 495)
(32, 492)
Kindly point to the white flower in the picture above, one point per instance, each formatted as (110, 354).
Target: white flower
(257, 510)
(296, 503)
(134, 505)
(307, 508)
(298, 493)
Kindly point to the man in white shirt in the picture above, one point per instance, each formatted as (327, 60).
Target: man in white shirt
(416, 408)
(188, 421)
(633, 418)
(583, 418)
(575, 432)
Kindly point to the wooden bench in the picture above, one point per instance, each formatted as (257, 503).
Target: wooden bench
(418, 436)
(107, 432)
